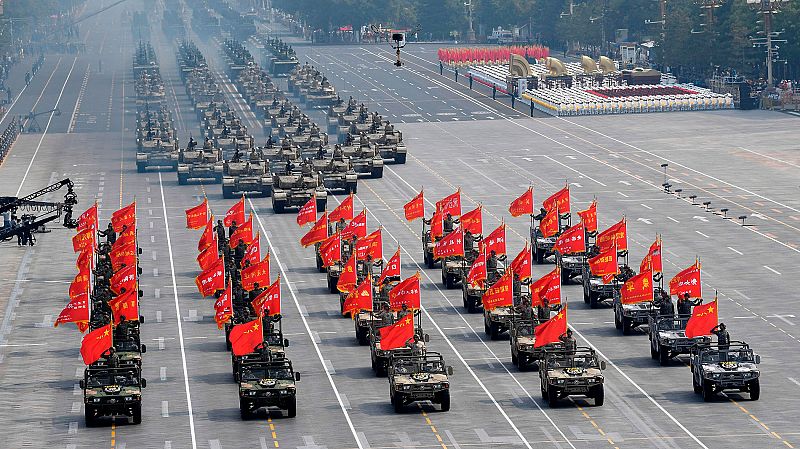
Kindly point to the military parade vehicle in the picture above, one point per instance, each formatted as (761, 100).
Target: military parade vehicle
(390, 143)
(497, 320)
(630, 316)
(571, 265)
(338, 109)
(382, 358)
(321, 94)
(363, 268)
(522, 338)
(273, 348)
(200, 163)
(668, 337)
(267, 383)
(293, 188)
(419, 378)
(337, 175)
(564, 373)
(364, 156)
(335, 269)
(111, 392)
(541, 246)
(732, 367)
(158, 153)
(246, 176)
(427, 246)
(283, 60)
(595, 291)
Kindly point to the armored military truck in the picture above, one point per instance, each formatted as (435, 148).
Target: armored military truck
(717, 368)
(112, 392)
(668, 338)
(565, 373)
(267, 383)
(419, 378)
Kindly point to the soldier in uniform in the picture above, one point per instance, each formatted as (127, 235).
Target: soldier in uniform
(239, 252)
(385, 315)
(540, 216)
(469, 244)
(220, 228)
(685, 305)
(491, 267)
(449, 221)
(665, 306)
(723, 338)
(569, 341)
(109, 234)
(232, 229)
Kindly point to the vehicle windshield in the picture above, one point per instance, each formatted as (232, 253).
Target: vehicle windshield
(730, 355)
(577, 361)
(123, 378)
(419, 366)
(274, 340)
(524, 329)
(672, 325)
(256, 373)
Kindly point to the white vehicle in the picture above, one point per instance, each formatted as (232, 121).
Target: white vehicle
(501, 36)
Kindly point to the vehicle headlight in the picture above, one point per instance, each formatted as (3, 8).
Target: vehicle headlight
(715, 376)
(747, 375)
(445, 385)
(559, 381)
(405, 387)
(95, 399)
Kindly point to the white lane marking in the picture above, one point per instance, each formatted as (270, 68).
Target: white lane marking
(178, 316)
(676, 221)
(783, 318)
(646, 206)
(46, 128)
(701, 234)
(794, 381)
(305, 323)
(626, 196)
(770, 157)
(772, 270)
(736, 251)
(165, 409)
(461, 358)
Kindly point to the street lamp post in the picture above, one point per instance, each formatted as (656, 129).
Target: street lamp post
(767, 8)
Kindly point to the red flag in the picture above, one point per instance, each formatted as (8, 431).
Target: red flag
(558, 200)
(129, 232)
(392, 268)
(437, 225)
(126, 239)
(88, 219)
(638, 288)
(343, 210)
(521, 265)
(522, 205)
(589, 217)
(477, 272)
(197, 216)
(406, 292)
(687, 281)
(223, 307)
(85, 260)
(124, 217)
(84, 241)
(76, 311)
(450, 245)
(317, 233)
(245, 338)
(549, 224)
(500, 294)
(235, 213)
(211, 279)
(330, 251)
(307, 213)
(450, 204)
(209, 237)
(605, 264)
(123, 257)
(243, 233)
(357, 227)
(80, 284)
(124, 278)
(472, 221)
(571, 241)
(652, 261)
(415, 208)
(269, 300)
(207, 257)
(95, 344)
(359, 299)
(127, 305)
(371, 245)
(551, 330)
(257, 273)
(253, 252)
(547, 289)
(398, 334)
(704, 318)
(616, 233)
(496, 241)
(348, 277)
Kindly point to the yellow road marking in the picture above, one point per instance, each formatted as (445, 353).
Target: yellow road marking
(428, 421)
(272, 430)
(113, 434)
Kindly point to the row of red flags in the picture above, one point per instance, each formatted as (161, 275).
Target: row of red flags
(456, 55)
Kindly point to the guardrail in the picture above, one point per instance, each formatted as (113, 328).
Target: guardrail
(8, 138)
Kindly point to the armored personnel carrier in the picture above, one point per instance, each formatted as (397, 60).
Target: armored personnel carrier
(419, 378)
(203, 163)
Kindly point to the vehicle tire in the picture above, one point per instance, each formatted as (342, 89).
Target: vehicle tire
(565, 275)
(653, 351)
(373, 363)
(88, 414)
(228, 345)
(594, 300)
(450, 282)
(617, 320)
(627, 325)
(381, 371)
(695, 386)
(397, 403)
(586, 295)
(291, 408)
(400, 158)
(322, 203)
(428, 261)
(552, 398)
(708, 391)
(444, 401)
(599, 396)
(514, 359)
(464, 299)
(472, 305)
(141, 167)
(544, 392)
(277, 207)
(494, 331)
(487, 327)
(137, 413)
(539, 259)
(362, 338)
(663, 355)
(244, 411)
(522, 362)
(754, 387)
(320, 268)
(332, 286)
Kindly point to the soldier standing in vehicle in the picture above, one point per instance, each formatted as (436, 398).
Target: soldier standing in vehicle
(220, 228)
(569, 341)
(232, 229)
(385, 315)
(238, 254)
(540, 216)
(109, 234)
(491, 266)
(449, 221)
(665, 306)
(723, 338)
(685, 305)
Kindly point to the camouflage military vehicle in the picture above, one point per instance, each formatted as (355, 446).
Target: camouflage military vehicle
(571, 265)
(668, 338)
(335, 269)
(522, 338)
(595, 291)
(338, 109)
(159, 154)
(112, 392)
(364, 157)
(285, 152)
(274, 344)
(382, 358)
(419, 378)
(630, 316)
(293, 188)
(246, 176)
(717, 368)
(336, 175)
(200, 163)
(427, 247)
(565, 373)
(390, 144)
(497, 320)
(267, 383)
(321, 94)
